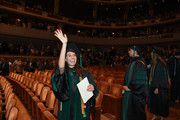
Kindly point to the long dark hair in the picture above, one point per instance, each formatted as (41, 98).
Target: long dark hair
(154, 60)
(79, 69)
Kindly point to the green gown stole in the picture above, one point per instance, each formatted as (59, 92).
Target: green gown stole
(66, 109)
(127, 93)
(141, 79)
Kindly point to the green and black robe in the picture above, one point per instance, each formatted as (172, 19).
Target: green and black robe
(137, 82)
(69, 96)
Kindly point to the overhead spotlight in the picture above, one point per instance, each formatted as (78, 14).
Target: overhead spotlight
(79, 31)
(113, 33)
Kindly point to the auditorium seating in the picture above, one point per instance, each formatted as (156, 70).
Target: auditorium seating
(48, 115)
(112, 102)
(36, 93)
(103, 86)
(100, 78)
(95, 75)
(8, 110)
(13, 114)
(96, 114)
(7, 100)
(6, 95)
(24, 92)
(42, 98)
(32, 89)
(5, 113)
(110, 80)
(48, 105)
(27, 83)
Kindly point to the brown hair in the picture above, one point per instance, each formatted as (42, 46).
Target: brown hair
(157, 57)
(79, 69)
(153, 64)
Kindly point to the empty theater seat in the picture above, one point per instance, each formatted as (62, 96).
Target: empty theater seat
(103, 86)
(112, 102)
(48, 105)
(42, 98)
(36, 93)
(96, 114)
(48, 115)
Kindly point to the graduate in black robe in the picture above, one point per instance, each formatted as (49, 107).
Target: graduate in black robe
(4, 71)
(64, 81)
(135, 87)
(174, 73)
(158, 98)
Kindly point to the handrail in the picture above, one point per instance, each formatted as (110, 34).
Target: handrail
(27, 56)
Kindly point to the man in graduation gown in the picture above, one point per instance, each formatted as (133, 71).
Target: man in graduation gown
(135, 87)
(64, 81)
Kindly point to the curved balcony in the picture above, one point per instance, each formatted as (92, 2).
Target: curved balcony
(11, 30)
(112, 1)
(89, 24)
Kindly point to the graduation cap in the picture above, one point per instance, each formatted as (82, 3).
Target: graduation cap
(72, 47)
(158, 50)
(136, 48)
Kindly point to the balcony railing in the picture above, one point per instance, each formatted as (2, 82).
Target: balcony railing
(11, 30)
(98, 24)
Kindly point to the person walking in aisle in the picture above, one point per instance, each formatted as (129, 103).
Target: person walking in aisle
(65, 79)
(158, 82)
(135, 87)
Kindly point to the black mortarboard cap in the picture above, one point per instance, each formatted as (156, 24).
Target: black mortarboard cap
(73, 48)
(158, 50)
(136, 48)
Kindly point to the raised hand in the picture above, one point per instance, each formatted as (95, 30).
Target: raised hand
(62, 37)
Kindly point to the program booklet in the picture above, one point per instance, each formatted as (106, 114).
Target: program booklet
(82, 87)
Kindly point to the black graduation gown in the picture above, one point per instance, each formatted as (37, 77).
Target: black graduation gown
(62, 91)
(174, 71)
(5, 69)
(159, 104)
(137, 82)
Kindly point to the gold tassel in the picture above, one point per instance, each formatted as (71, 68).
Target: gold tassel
(61, 106)
(82, 106)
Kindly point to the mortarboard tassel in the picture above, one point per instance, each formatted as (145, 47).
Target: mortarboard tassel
(80, 60)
